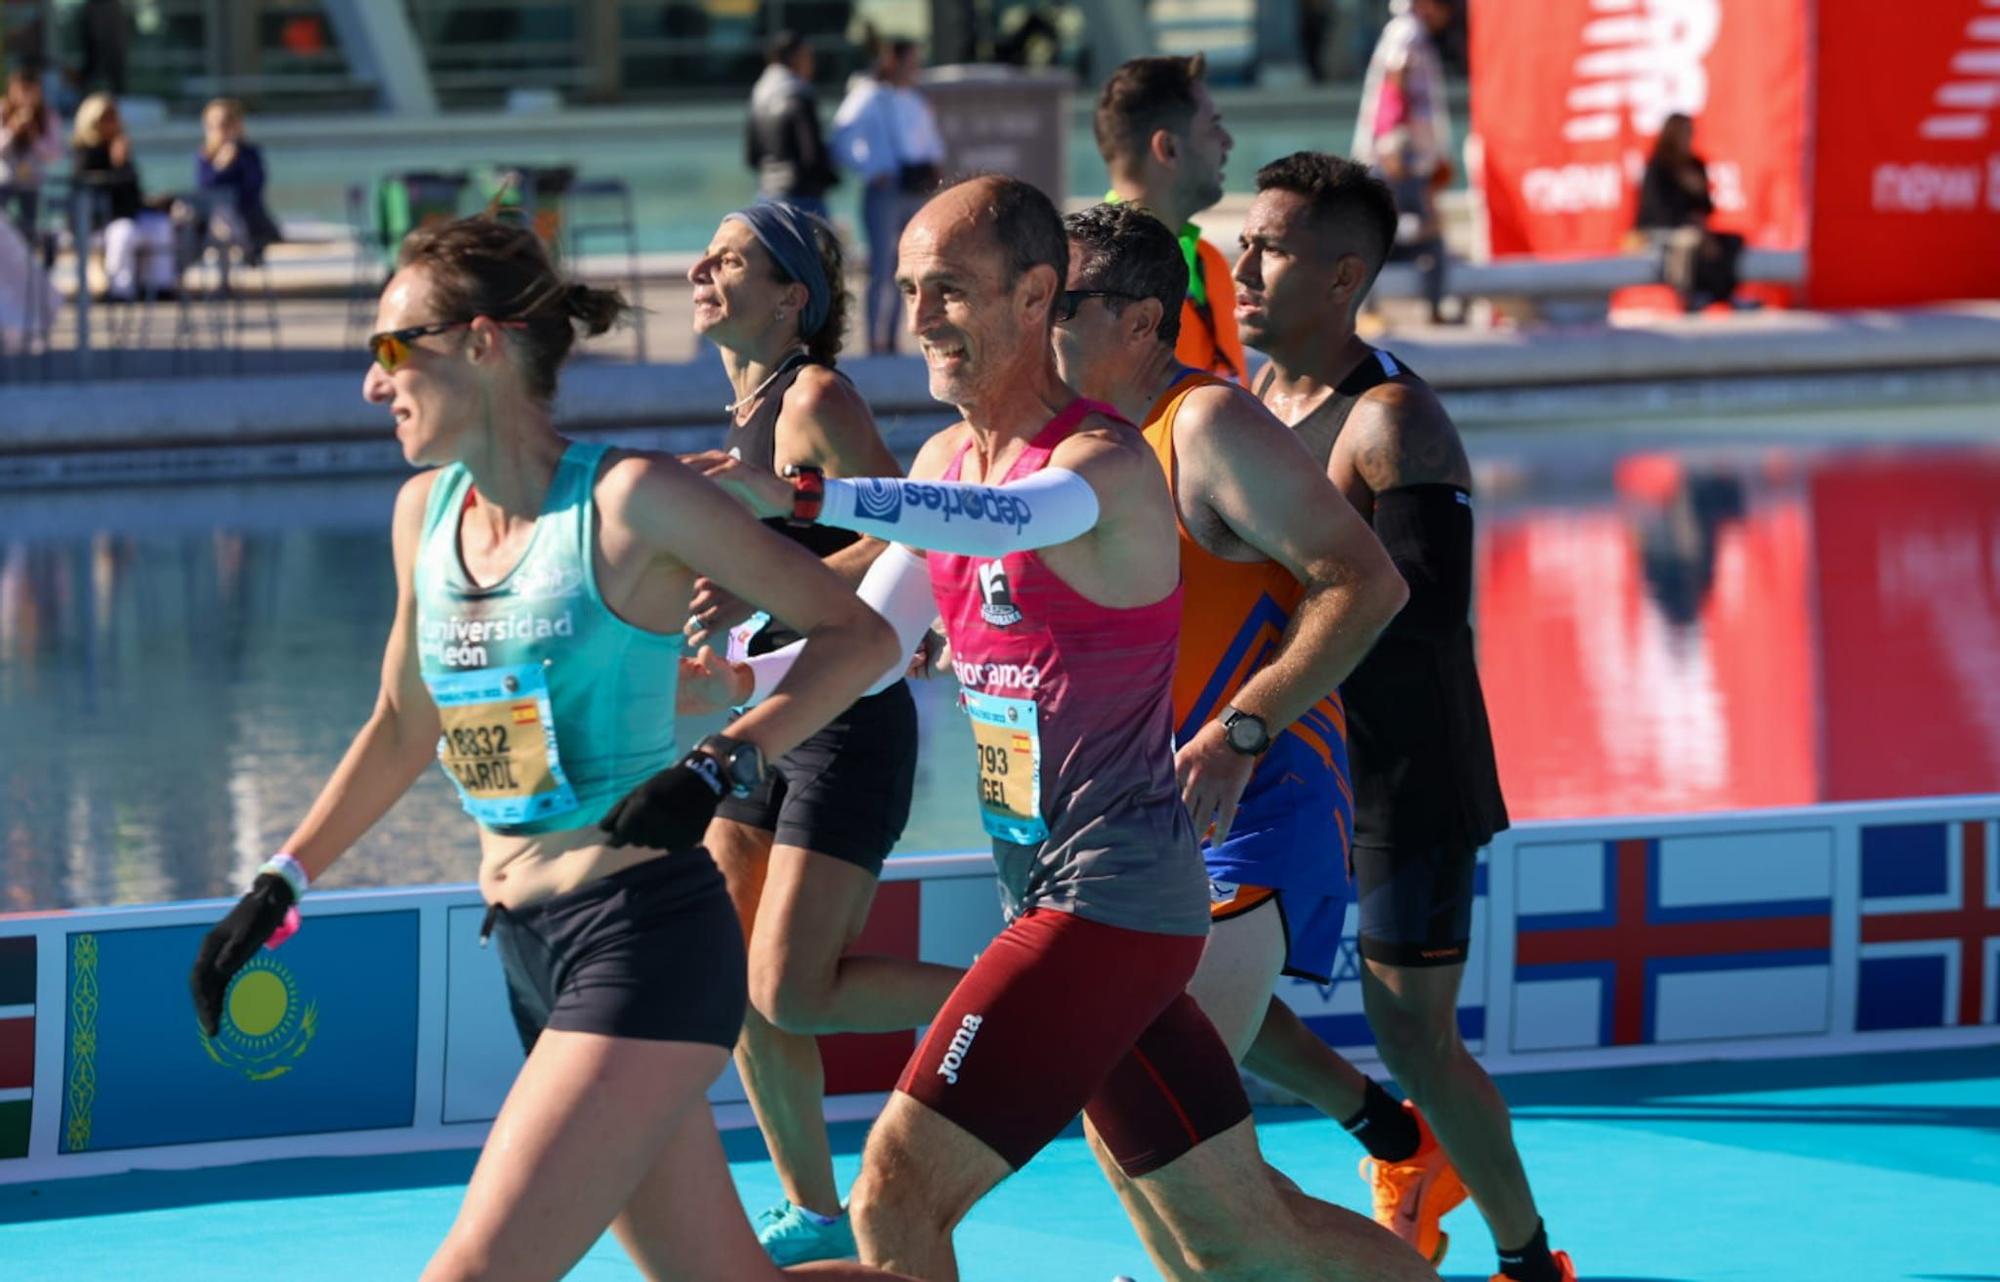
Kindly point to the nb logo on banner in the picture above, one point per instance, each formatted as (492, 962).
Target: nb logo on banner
(1966, 102)
(1645, 57)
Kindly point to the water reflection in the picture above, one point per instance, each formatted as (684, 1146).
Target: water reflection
(181, 667)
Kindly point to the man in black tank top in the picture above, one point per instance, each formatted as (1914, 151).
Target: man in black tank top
(803, 852)
(1426, 791)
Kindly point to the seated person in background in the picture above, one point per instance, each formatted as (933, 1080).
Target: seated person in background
(136, 237)
(1674, 207)
(234, 169)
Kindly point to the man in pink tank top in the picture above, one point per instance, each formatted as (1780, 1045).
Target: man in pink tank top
(1050, 548)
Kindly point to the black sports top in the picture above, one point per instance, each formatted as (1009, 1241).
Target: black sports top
(756, 442)
(1419, 745)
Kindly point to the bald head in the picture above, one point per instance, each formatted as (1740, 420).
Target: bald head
(1012, 220)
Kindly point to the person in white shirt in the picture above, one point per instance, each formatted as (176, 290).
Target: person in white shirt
(885, 132)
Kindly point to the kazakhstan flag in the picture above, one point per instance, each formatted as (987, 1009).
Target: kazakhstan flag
(320, 1035)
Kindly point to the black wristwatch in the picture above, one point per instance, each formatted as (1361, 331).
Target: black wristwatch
(1246, 732)
(742, 763)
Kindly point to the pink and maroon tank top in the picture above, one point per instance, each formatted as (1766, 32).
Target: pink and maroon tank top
(1071, 705)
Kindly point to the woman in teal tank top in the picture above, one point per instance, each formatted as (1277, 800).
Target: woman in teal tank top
(536, 656)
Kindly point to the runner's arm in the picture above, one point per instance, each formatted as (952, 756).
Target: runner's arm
(825, 424)
(1256, 477)
(1253, 474)
(1405, 449)
(897, 587)
(396, 745)
(846, 645)
(399, 741)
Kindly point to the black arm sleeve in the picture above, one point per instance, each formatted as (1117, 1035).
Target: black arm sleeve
(1427, 530)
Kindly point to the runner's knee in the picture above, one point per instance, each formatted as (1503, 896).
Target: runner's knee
(794, 1002)
(892, 1197)
(1410, 1035)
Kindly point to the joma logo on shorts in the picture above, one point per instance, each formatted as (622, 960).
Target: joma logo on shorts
(961, 1043)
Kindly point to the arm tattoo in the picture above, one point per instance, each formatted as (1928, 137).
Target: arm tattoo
(1410, 444)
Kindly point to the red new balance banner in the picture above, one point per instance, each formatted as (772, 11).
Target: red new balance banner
(1906, 153)
(1567, 96)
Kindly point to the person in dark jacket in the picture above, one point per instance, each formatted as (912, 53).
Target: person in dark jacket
(233, 169)
(1674, 209)
(783, 143)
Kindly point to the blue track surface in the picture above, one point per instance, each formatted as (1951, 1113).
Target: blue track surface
(1864, 1169)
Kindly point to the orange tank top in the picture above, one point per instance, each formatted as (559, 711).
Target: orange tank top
(1233, 613)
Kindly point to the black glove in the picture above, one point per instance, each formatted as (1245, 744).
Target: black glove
(671, 810)
(233, 942)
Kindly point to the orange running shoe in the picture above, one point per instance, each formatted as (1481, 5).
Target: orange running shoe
(1562, 1263)
(1412, 1196)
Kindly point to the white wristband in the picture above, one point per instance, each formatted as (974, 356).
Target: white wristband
(283, 864)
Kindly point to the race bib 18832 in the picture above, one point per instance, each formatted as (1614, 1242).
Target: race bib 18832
(499, 744)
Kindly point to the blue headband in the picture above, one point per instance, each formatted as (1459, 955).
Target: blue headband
(787, 233)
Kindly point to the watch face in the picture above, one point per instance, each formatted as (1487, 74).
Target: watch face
(746, 766)
(1247, 734)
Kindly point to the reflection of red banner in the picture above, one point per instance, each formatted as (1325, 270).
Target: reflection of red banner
(1906, 153)
(1602, 704)
(1568, 94)
(1908, 577)
(1834, 642)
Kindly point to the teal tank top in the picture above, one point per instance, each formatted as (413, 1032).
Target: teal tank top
(553, 706)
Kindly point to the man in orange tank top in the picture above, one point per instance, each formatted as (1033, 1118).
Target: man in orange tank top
(1285, 590)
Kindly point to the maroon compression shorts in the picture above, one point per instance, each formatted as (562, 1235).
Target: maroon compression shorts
(1061, 1015)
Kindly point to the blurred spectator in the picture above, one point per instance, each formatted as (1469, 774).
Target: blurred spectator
(1404, 133)
(104, 30)
(885, 132)
(233, 169)
(1674, 208)
(135, 237)
(783, 142)
(30, 141)
(27, 303)
(1163, 142)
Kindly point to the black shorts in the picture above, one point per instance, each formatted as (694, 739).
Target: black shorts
(1416, 903)
(654, 952)
(845, 792)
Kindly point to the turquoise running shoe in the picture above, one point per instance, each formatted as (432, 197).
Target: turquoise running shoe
(791, 1235)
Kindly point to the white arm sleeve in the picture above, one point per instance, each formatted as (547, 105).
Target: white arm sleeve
(897, 587)
(1052, 506)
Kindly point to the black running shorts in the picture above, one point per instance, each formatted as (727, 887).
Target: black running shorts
(654, 952)
(1416, 903)
(845, 792)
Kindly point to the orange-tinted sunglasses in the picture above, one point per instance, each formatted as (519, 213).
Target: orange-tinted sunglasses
(391, 348)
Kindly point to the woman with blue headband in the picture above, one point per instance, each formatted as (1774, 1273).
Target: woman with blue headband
(803, 853)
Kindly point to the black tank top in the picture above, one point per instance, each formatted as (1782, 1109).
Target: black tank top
(756, 442)
(1419, 745)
